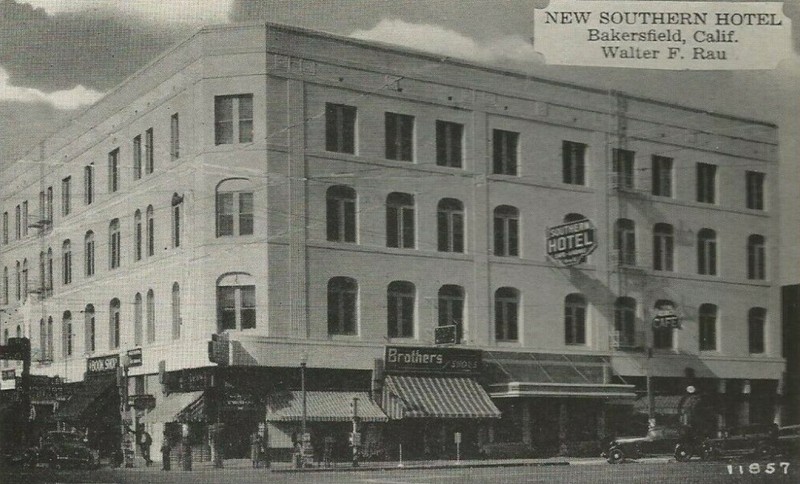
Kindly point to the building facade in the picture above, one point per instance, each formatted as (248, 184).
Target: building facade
(310, 198)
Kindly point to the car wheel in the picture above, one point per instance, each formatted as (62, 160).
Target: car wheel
(615, 456)
(683, 453)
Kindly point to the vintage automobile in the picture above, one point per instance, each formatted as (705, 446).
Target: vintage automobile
(659, 440)
(747, 440)
(66, 449)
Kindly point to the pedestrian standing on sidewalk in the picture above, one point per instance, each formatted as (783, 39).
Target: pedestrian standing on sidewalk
(165, 451)
(145, 441)
(255, 449)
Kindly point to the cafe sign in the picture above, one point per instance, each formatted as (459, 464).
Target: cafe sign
(572, 242)
(424, 359)
(102, 364)
(666, 320)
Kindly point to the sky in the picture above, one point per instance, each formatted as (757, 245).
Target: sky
(59, 56)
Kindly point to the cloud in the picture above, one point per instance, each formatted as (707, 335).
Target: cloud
(440, 40)
(73, 98)
(182, 11)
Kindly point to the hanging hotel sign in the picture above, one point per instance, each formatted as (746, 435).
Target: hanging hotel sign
(102, 364)
(424, 359)
(572, 242)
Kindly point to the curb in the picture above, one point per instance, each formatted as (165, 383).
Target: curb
(421, 467)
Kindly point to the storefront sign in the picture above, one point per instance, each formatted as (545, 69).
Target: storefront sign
(190, 380)
(410, 359)
(572, 242)
(445, 335)
(135, 357)
(9, 374)
(102, 364)
(142, 401)
(666, 321)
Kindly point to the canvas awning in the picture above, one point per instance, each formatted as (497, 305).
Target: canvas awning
(322, 407)
(436, 397)
(177, 407)
(89, 399)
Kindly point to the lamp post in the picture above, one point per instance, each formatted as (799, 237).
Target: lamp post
(304, 417)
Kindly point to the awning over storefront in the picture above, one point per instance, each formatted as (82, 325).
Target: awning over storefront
(177, 407)
(89, 399)
(663, 404)
(322, 407)
(436, 397)
(517, 374)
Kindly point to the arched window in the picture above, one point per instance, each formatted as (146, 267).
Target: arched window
(663, 338)
(176, 311)
(137, 235)
(137, 319)
(25, 279)
(340, 203)
(49, 287)
(342, 306)
(88, 242)
(400, 298)
(151, 316)
(756, 322)
(663, 247)
(114, 244)
(575, 319)
(756, 257)
(234, 207)
(19, 281)
(236, 302)
(707, 321)
(66, 262)
(707, 252)
(177, 208)
(66, 328)
(89, 329)
(506, 231)
(625, 322)
(114, 324)
(400, 220)
(151, 231)
(50, 352)
(625, 241)
(506, 314)
(450, 225)
(451, 308)
(19, 331)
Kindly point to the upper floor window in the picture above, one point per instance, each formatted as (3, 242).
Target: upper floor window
(623, 167)
(340, 216)
(340, 128)
(174, 138)
(506, 231)
(137, 319)
(137, 235)
(575, 319)
(662, 176)
(400, 220)
(17, 223)
(49, 213)
(176, 311)
(707, 316)
(151, 231)
(400, 309)
(149, 151)
(66, 196)
(66, 335)
(88, 184)
(755, 190)
(707, 252)
(506, 314)
(177, 208)
(66, 262)
(706, 183)
(663, 338)
(449, 144)
(234, 207)
(756, 257)
(233, 119)
(88, 242)
(5, 228)
(342, 306)
(573, 156)
(663, 247)
(450, 225)
(114, 244)
(113, 171)
(137, 157)
(5, 285)
(236, 302)
(399, 137)
(150, 310)
(18, 275)
(25, 279)
(451, 308)
(114, 324)
(90, 332)
(50, 352)
(625, 242)
(505, 146)
(756, 321)
(625, 322)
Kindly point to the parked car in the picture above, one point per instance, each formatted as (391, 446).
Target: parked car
(659, 440)
(66, 449)
(788, 441)
(754, 439)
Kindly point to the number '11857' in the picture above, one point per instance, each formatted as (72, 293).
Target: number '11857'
(756, 468)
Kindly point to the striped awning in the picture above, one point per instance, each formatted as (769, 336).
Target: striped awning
(436, 397)
(177, 407)
(322, 407)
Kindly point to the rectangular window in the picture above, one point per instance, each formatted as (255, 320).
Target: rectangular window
(449, 144)
(137, 236)
(706, 183)
(113, 171)
(65, 196)
(233, 119)
(234, 208)
(176, 226)
(340, 128)
(90, 257)
(755, 190)
(400, 225)
(17, 223)
(708, 332)
(756, 332)
(237, 307)
(115, 245)
(25, 220)
(137, 157)
(174, 138)
(662, 176)
(149, 162)
(573, 157)
(50, 216)
(5, 228)
(623, 168)
(401, 315)
(67, 265)
(399, 137)
(504, 153)
(505, 315)
(88, 184)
